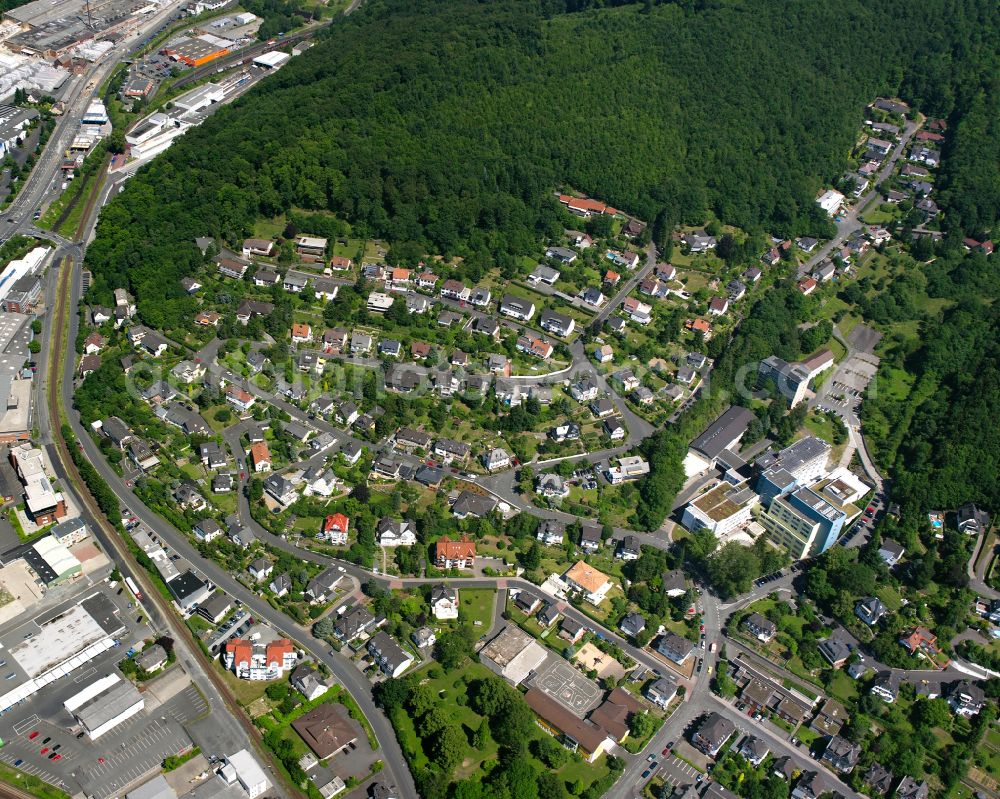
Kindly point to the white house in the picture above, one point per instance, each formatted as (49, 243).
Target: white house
(444, 602)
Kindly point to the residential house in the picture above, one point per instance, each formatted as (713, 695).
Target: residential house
(910, 788)
(718, 305)
(335, 529)
(392, 659)
(547, 614)
(841, 754)
(675, 648)
(591, 538)
(886, 686)
(699, 242)
(280, 585)
(629, 548)
(321, 587)
(920, 640)
(673, 583)
(444, 602)
(475, 505)
(260, 457)
(423, 637)
(516, 308)
(761, 628)
(712, 734)
(661, 692)
(551, 486)
(966, 698)
(890, 551)
(971, 520)
(870, 609)
(835, 651)
(455, 290)
(639, 312)
(496, 459)
(527, 601)
(308, 682)
(460, 554)
(754, 750)
(260, 569)
(632, 624)
(571, 630)
(614, 429)
(556, 323)
(396, 533)
(878, 779)
(354, 623)
(551, 532)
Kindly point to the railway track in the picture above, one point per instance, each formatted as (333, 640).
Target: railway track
(59, 349)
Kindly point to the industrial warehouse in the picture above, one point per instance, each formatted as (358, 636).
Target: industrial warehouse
(105, 704)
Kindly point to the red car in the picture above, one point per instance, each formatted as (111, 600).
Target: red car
(46, 749)
(666, 751)
(33, 735)
(100, 760)
(57, 757)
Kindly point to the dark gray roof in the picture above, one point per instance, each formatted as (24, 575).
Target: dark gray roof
(723, 431)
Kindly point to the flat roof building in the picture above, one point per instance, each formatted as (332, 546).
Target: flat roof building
(721, 510)
(103, 705)
(513, 654)
(805, 522)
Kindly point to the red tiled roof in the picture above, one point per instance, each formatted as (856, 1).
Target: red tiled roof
(336, 521)
(259, 452)
(277, 649)
(447, 549)
(241, 650)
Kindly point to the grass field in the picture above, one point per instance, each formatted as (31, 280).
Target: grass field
(246, 691)
(476, 605)
(843, 687)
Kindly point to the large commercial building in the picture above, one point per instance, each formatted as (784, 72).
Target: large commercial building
(52, 561)
(13, 126)
(196, 52)
(15, 379)
(723, 434)
(243, 769)
(103, 705)
(793, 379)
(799, 464)
(44, 504)
(806, 522)
(721, 510)
(513, 654)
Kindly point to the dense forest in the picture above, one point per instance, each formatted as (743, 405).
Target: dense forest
(447, 124)
(939, 436)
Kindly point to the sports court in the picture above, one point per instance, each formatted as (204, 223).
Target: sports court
(567, 686)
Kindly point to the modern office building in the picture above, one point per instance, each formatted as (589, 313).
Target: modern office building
(804, 522)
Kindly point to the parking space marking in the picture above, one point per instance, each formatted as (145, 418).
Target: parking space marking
(21, 726)
(85, 675)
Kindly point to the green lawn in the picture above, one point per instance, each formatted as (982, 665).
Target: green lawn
(843, 687)
(806, 735)
(890, 597)
(876, 216)
(476, 605)
(246, 691)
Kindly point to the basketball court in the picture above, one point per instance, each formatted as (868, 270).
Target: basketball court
(567, 686)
